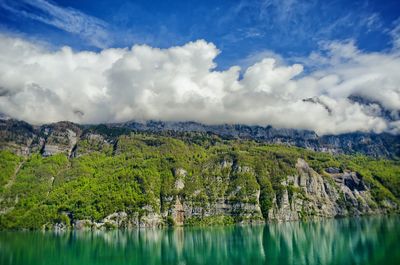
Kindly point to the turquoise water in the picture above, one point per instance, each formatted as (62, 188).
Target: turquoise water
(372, 240)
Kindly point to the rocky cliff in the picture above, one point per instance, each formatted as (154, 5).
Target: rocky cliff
(335, 194)
(306, 195)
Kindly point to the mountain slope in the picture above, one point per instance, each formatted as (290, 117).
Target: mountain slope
(108, 176)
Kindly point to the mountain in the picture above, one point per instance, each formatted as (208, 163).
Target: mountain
(27, 138)
(64, 175)
(380, 111)
(371, 144)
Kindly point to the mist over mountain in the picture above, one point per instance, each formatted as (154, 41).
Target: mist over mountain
(29, 137)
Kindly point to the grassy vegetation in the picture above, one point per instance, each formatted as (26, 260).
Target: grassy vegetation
(210, 220)
(8, 164)
(138, 170)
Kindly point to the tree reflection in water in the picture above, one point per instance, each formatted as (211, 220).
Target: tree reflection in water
(372, 240)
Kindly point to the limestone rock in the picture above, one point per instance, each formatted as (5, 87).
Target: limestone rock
(323, 197)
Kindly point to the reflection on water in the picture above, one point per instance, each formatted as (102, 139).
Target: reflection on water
(373, 240)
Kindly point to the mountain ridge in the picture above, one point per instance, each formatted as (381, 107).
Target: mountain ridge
(372, 144)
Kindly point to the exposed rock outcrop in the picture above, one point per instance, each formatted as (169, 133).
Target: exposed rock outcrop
(306, 195)
(309, 195)
(60, 138)
(122, 220)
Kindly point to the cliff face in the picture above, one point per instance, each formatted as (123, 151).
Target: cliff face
(334, 194)
(25, 139)
(63, 175)
(305, 195)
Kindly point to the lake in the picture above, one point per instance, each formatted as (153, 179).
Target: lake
(367, 240)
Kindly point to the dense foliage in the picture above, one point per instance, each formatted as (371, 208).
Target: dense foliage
(139, 170)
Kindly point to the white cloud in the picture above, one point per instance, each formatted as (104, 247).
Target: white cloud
(181, 83)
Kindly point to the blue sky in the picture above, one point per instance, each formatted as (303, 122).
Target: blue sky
(240, 29)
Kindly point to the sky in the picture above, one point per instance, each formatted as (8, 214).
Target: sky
(328, 66)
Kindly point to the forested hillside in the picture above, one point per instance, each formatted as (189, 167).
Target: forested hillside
(105, 178)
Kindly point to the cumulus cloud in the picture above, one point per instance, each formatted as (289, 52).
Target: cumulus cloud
(182, 83)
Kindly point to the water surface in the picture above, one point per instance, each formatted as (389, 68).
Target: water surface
(369, 240)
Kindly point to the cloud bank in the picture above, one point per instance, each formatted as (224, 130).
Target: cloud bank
(182, 83)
